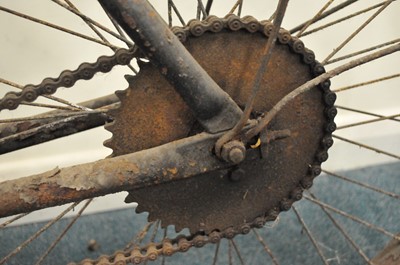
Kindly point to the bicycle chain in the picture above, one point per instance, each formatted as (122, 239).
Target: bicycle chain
(67, 78)
(182, 243)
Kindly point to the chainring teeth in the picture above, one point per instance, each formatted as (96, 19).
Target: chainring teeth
(305, 56)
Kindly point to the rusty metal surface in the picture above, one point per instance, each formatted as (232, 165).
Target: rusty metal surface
(150, 103)
(67, 78)
(390, 255)
(274, 177)
(212, 107)
(180, 159)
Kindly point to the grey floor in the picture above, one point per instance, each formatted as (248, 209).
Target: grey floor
(287, 239)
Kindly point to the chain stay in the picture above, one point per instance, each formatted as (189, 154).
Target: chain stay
(182, 243)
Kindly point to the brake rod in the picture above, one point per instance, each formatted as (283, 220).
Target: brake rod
(212, 106)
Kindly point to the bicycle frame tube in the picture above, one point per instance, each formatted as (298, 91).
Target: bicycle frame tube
(213, 108)
(180, 159)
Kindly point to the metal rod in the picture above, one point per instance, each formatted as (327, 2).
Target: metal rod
(38, 233)
(379, 151)
(358, 30)
(266, 247)
(176, 160)
(361, 184)
(341, 20)
(58, 239)
(391, 117)
(265, 58)
(352, 217)
(215, 259)
(344, 233)
(12, 220)
(310, 236)
(263, 123)
(11, 140)
(366, 83)
(51, 25)
(212, 107)
(300, 33)
(364, 112)
(91, 21)
(325, 14)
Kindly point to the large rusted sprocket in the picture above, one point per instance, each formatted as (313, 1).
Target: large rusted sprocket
(273, 176)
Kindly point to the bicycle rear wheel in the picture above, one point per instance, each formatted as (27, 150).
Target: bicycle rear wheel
(367, 134)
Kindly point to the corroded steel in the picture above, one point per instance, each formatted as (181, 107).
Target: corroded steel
(212, 107)
(67, 78)
(390, 255)
(180, 159)
(274, 176)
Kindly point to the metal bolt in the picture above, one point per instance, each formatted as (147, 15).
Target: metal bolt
(236, 155)
(93, 245)
(236, 175)
(233, 151)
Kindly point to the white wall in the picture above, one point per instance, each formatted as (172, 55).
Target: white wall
(29, 52)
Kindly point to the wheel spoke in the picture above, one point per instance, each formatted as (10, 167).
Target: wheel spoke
(12, 220)
(353, 218)
(310, 236)
(265, 247)
(138, 238)
(235, 247)
(265, 58)
(164, 237)
(52, 116)
(115, 24)
(41, 105)
(38, 233)
(91, 21)
(201, 8)
(230, 260)
(67, 228)
(60, 128)
(63, 101)
(98, 33)
(358, 30)
(325, 14)
(362, 51)
(366, 146)
(368, 121)
(366, 83)
(172, 5)
(215, 259)
(54, 26)
(361, 184)
(315, 18)
(237, 5)
(343, 19)
(364, 112)
(93, 28)
(343, 232)
(208, 6)
(313, 82)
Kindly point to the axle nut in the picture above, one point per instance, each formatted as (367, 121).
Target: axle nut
(233, 151)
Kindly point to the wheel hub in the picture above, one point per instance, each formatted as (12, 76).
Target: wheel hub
(273, 175)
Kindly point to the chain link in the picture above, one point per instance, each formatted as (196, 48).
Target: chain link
(182, 243)
(67, 78)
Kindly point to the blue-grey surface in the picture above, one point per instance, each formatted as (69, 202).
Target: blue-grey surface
(286, 238)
